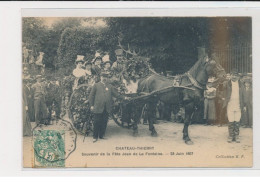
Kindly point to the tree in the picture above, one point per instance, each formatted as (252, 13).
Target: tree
(33, 34)
(170, 43)
(83, 41)
(53, 38)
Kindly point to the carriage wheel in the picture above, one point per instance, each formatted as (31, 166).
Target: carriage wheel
(117, 114)
(79, 110)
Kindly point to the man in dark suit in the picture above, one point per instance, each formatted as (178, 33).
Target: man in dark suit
(40, 108)
(97, 68)
(247, 97)
(29, 95)
(101, 103)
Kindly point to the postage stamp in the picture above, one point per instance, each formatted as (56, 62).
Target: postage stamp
(49, 148)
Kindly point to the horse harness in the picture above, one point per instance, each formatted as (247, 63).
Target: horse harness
(193, 81)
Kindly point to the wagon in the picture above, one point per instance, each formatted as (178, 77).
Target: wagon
(82, 117)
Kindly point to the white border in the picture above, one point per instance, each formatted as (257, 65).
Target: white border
(10, 76)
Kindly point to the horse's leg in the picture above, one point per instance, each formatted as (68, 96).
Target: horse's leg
(137, 112)
(151, 109)
(188, 112)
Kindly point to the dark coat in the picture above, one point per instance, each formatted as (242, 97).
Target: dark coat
(247, 96)
(96, 70)
(101, 97)
(229, 91)
(29, 97)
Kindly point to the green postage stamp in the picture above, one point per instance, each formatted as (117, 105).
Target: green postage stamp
(49, 148)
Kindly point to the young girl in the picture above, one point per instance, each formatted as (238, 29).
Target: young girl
(209, 103)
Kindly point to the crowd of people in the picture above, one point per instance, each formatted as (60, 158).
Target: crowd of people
(47, 98)
(217, 98)
(227, 103)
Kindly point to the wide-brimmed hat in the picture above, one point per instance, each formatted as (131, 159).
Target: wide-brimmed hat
(80, 58)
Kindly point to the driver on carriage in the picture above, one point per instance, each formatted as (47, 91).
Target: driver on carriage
(97, 67)
(107, 67)
(89, 76)
(118, 65)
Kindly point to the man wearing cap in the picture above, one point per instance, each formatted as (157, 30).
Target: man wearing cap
(98, 65)
(118, 65)
(247, 97)
(101, 102)
(40, 108)
(234, 102)
(53, 99)
(89, 75)
(107, 67)
(97, 68)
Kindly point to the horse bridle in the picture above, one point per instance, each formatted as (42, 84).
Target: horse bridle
(193, 81)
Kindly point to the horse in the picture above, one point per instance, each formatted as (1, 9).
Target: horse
(189, 92)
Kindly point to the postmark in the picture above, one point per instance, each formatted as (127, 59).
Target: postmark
(53, 144)
(49, 148)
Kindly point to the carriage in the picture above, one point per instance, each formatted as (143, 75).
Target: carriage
(80, 114)
(151, 88)
(82, 118)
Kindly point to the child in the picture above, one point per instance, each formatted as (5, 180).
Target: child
(209, 103)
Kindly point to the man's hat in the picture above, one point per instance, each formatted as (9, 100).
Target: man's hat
(119, 52)
(80, 58)
(247, 79)
(234, 71)
(98, 57)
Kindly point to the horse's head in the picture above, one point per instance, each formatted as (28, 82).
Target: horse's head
(216, 70)
(205, 68)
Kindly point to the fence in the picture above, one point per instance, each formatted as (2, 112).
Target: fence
(236, 57)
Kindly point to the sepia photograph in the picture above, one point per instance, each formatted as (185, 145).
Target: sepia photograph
(137, 92)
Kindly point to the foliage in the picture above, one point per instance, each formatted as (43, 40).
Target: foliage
(170, 43)
(167, 41)
(33, 34)
(82, 41)
(137, 67)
